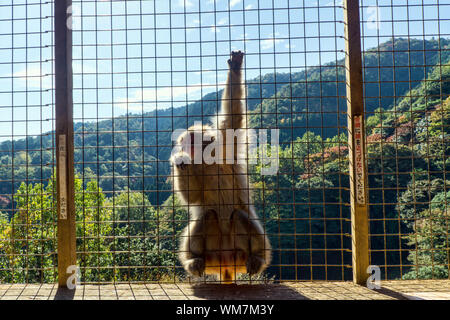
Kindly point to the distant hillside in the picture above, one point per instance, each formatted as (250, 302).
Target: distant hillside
(304, 207)
(312, 100)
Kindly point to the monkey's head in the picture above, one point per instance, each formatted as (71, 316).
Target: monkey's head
(194, 147)
(194, 161)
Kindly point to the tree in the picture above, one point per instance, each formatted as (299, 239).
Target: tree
(140, 250)
(430, 243)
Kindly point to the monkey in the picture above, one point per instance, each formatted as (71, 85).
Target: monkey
(224, 236)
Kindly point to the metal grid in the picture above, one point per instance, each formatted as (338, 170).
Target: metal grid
(150, 67)
(27, 195)
(407, 109)
(142, 69)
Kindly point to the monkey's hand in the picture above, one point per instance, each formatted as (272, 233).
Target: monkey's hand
(235, 62)
(181, 160)
(195, 266)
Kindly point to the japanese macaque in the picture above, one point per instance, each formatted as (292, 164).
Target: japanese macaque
(224, 236)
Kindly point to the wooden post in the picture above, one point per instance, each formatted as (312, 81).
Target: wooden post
(356, 141)
(64, 140)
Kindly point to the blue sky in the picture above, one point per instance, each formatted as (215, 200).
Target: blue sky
(138, 55)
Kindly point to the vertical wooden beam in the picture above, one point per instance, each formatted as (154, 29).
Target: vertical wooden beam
(64, 139)
(356, 140)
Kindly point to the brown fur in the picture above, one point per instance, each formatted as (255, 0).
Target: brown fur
(224, 236)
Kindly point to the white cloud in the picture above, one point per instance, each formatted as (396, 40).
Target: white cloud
(234, 2)
(337, 3)
(222, 21)
(214, 29)
(250, 6)
(147, 98)
(35, 77)
(243, 36)
(40, 77)
(270, 43)
(185, 3)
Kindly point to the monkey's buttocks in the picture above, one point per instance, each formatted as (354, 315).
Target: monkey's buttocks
(226, 263)
(225, 248)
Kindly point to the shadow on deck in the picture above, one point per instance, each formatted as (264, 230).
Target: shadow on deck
(318, 290)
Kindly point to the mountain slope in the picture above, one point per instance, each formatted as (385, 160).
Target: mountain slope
(312, 100)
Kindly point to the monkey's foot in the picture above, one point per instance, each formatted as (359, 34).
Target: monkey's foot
(254, 264)
(195, 266)
(235, 62)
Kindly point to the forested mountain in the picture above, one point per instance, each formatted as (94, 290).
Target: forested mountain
(313, 100)
(303, 207)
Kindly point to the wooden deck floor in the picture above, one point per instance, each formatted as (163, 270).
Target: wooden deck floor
(416, 290)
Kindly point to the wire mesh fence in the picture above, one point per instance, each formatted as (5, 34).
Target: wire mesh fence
(149, 68)
(406, 64)
(143, 69)
(27, 196)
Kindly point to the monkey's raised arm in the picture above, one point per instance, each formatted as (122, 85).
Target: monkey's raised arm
(232, 112)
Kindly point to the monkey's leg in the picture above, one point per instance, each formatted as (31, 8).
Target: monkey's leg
(193, 244)
(191, 249)
(250, 237)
